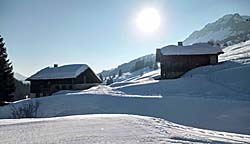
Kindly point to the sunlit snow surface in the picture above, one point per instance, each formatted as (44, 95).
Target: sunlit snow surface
(101, 129)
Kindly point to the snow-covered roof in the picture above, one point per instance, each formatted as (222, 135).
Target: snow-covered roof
(195, 49)
(62, 72)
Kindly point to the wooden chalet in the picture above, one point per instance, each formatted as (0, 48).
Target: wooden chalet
(177, 60)
(68, 77)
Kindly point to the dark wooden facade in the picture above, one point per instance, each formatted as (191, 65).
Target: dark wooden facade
(45, 87)
(174, 66)
(177, 60)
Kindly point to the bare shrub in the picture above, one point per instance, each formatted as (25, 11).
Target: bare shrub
(25, 110)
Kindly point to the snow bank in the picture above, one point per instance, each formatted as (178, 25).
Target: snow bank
(192, 101)
(109, 129)
(236, 78)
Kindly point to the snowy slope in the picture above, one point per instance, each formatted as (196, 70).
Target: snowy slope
(195, 100)
(238, 52)
(227, 28)
(144, 62)
(130, 76)
(128, 129)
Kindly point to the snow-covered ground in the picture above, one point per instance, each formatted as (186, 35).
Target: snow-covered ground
(109, 129)
(204, 98)
(212, 97)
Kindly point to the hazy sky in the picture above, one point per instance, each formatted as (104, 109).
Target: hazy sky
(101, 33)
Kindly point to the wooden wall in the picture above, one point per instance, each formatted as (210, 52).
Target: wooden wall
(175, 66)
(47, 87)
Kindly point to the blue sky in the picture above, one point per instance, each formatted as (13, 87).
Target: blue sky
(101, 33)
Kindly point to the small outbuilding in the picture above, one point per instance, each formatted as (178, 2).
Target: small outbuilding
(175, 60)
(68, 77)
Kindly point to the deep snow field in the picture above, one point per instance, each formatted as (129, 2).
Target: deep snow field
(117, 129)
(212, 97)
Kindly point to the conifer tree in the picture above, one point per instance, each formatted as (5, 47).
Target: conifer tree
(7, 81)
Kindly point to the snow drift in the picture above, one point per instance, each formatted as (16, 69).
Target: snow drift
(109, 129)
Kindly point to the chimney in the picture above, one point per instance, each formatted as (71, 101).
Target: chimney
(55, 65)
(180, 43)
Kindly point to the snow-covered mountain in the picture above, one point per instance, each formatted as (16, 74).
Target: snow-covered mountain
(22, 86)
(19, 76)
(230, 29)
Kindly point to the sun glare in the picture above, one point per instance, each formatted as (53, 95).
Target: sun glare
(148, 20)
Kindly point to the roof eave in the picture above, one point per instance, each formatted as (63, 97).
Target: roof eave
(31, 79)
(220, 53)
(27, 79)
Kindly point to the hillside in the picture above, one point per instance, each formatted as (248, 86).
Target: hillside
(130, 129)
(146, 61)
(238, 52)
(230, 29)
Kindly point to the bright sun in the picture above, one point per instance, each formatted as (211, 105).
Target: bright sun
(148, 20)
